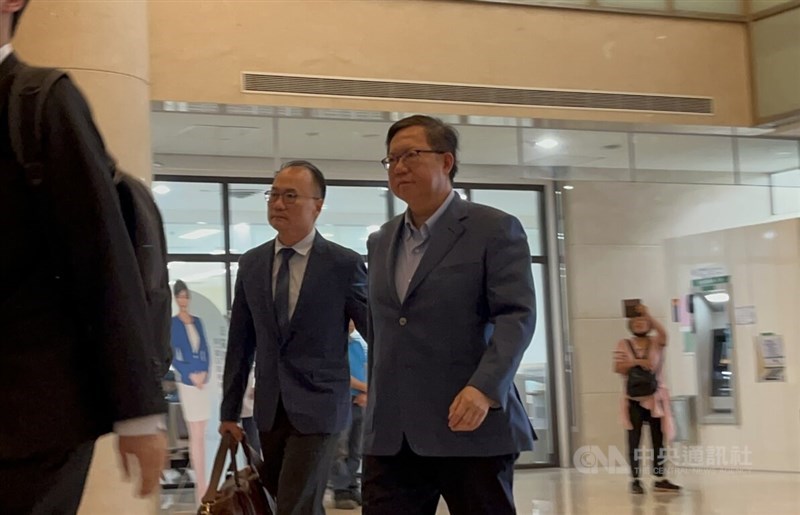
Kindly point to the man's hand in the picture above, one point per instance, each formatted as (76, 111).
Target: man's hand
(361, 400)
(233, 428)
(468, 410)
(150, 452)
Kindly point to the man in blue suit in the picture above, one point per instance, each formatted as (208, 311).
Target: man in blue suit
(294, 297)
(452, 311)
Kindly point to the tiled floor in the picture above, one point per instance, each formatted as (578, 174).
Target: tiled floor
(568, 492)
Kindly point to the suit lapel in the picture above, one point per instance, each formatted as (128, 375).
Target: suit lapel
(393, 232)
(446, 232)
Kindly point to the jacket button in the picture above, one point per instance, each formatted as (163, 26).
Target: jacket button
(402, 321)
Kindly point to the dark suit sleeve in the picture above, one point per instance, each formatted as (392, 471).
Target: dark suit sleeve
(512, 309)
(98, 258)
(240, 353)
(357, 298)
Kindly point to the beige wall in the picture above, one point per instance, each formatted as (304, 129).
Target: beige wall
(764, 263)
(199, 49)
(615, 236)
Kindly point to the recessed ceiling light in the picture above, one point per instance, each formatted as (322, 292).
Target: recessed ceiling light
(161, 189)
(547, 143)
(569, 187)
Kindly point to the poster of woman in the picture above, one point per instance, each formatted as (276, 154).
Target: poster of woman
(191, 359)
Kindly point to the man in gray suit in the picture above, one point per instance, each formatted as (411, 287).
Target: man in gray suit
(452, 311)
(294, 298)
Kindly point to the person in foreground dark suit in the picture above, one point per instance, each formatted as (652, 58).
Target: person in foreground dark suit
(75, 361)
(452, 311)
(294, 297)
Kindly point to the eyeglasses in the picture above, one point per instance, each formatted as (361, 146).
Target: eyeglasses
(409, 157)
(289, 197)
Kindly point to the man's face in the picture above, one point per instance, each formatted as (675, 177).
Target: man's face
(296, 217)
(421, 179)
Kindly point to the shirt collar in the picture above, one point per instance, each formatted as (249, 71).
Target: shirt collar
(425, 229)
(302, 247)
(5, 51)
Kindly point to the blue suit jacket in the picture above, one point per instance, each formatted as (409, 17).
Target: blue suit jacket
(467, 319)
(183, 359)
(309, 370)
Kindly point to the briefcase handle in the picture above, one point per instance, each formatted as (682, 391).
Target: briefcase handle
(227, 445)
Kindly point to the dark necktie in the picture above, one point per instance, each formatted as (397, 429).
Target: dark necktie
(282, 291)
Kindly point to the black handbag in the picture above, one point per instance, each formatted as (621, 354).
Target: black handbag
(641, 382)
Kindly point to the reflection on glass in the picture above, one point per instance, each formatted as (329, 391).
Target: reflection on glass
(192, 213)
(565, 154)
(524, 204)
(351, 213)
(759, 158)
(248, 217)
(533, 379)
(684, 159)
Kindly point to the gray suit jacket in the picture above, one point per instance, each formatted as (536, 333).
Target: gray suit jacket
(309, 371)
(467, 319)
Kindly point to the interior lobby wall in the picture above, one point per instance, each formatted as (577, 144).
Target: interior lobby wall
(615, 236)
(764, 264)
(199, 49)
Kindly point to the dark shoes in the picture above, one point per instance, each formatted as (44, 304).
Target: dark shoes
(636, 487)
(664, 485)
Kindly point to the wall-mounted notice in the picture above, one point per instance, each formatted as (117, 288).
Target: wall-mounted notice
(770, 357)
(745, 315)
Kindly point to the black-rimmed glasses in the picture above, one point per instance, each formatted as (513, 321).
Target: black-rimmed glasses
(409, 157)
(289, 197)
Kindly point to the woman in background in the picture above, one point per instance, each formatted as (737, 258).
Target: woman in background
(191, 360)
(646, 350)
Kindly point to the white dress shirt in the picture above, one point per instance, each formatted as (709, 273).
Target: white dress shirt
(297, 267)
(5, 51)
(413, 244)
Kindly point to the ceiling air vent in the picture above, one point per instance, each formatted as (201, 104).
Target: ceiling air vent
(457, 93)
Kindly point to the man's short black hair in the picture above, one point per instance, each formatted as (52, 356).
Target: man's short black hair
(441, 136)
(316, 174)
(17, 15)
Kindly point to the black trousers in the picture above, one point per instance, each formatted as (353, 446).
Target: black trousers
(48, 484)
(409, 484)
(296, 466)
(639, 415)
